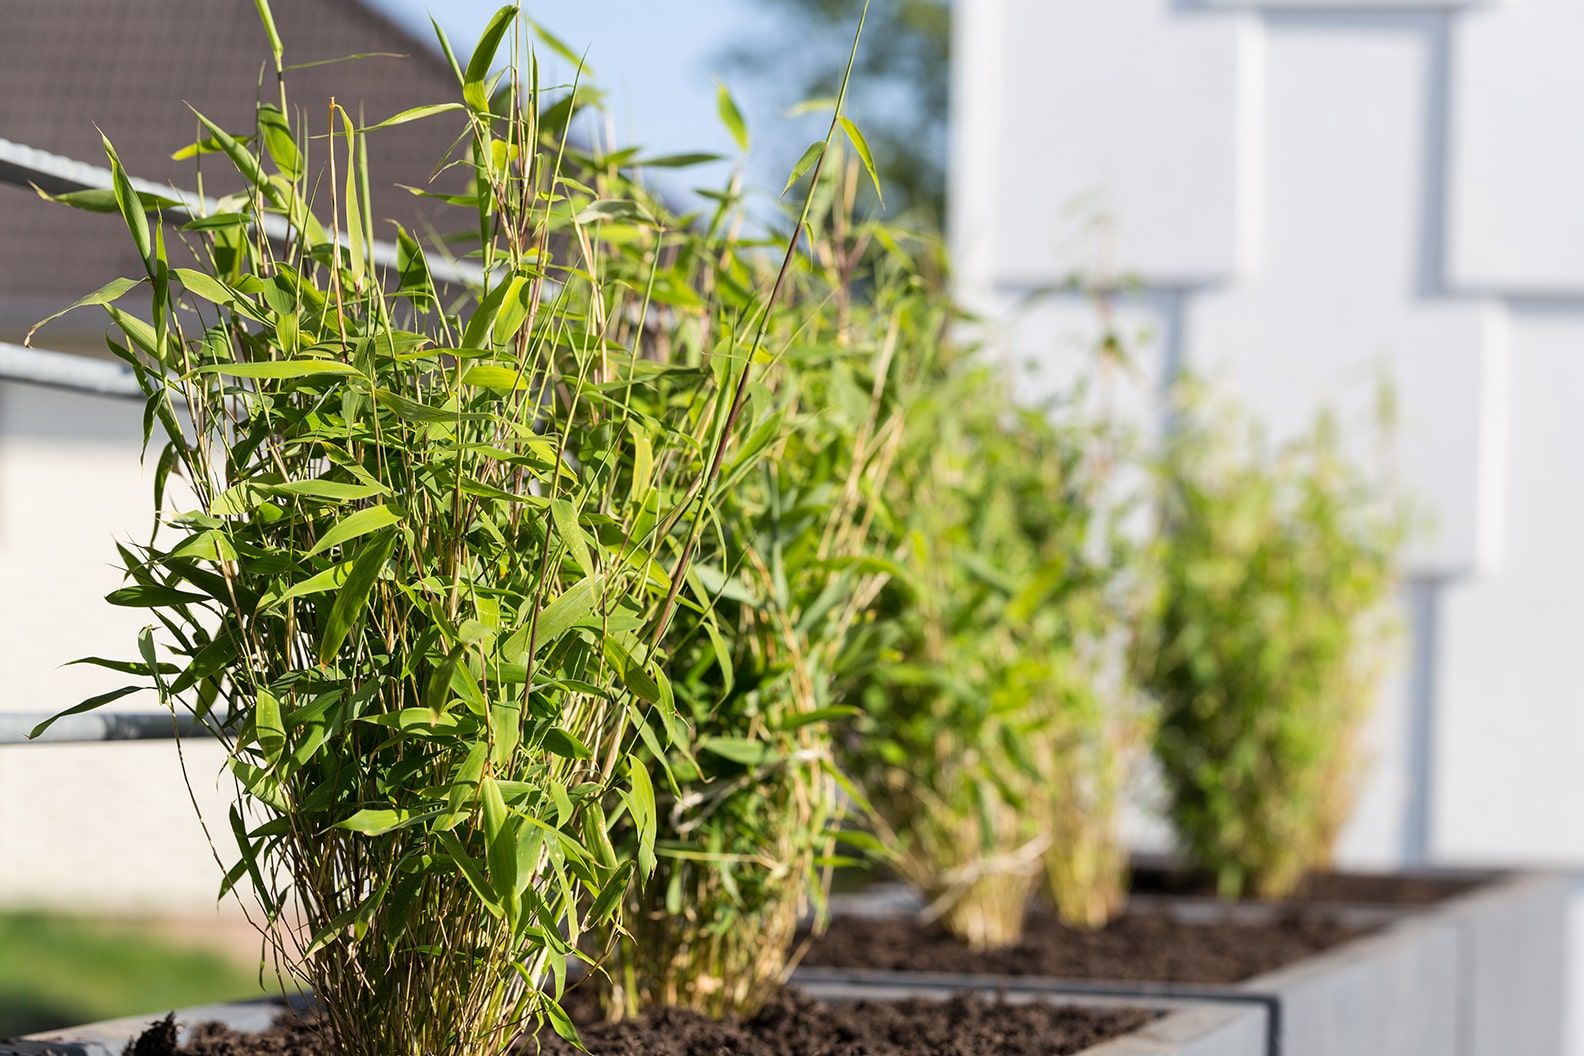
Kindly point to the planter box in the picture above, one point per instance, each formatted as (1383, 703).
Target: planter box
(1185, 1028)
(1512, 965)
(112, 1036)
(1477, 974)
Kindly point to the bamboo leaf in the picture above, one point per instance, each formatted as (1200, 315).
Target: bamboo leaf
(280, 369)
(804, 164)
(357, 252)
(471, 872)
(109, 293)
(328, 490)
(90, 704)
(103, 199)
(270, 730)
(861, 145)
(495, 378)
(126, 667)
(329, 579)
(462, 790)
(483, 59)
(512, 310)
(501, 841)
(375, 821)
(241, 157)
(208, 287)
(572, 534)
(644, 815)
(561, 1023)
(610, 896)
(555, 619)
(414, 113)
(279, 142)
(130, 204)
(743, 750)
(677, 161)
(731, 116)
(561, 48)
(562, 743)
(151, 596)
(353, 596)
(354, 525)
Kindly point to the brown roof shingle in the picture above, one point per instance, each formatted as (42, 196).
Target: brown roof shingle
(131, 68)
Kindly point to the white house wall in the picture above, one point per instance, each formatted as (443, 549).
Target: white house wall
(86, 826)
(1509, 721)
(1312, 196)
(1069, 120)
(1515, 223)
(1345, 296)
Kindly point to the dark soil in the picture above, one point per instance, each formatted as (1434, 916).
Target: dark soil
(1372, 889)
(292, 1035)
(793, 1025)
(1140, 946)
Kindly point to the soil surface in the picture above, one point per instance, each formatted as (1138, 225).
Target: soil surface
(792, 1025)
(1140, 946)
(1372, 889)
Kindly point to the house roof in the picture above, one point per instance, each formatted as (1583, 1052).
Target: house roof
(131, 68)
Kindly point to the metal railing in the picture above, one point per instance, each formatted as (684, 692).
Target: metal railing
(29, 167)
(98, 726)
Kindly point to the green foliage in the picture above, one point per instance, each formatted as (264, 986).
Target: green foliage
(749, 806)
(902, 93)
(993, 713)
(749, 815)
(420, 551)
(1277, 568)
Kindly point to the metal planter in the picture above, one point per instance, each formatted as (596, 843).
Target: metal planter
(1478, 974)
(1184, 1029)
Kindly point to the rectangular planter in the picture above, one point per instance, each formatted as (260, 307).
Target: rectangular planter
(1512, 965)
(1478, 974)
(111, 1037)
(1185, 1028)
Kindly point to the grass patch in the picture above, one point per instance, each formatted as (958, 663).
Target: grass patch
(57, 971)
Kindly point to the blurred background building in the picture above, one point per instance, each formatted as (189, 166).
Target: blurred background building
(1306, 196)
(1299, 196)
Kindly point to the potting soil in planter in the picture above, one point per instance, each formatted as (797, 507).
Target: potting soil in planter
(1323, 888)
(1140, 946)
(791, 1025)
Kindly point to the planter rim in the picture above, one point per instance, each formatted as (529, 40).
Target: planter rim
(1183, 1025)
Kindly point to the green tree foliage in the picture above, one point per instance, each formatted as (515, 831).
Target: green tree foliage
(1277, 567)
(902, 85)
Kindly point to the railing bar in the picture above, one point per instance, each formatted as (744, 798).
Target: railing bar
(101, 726)
(27, 166)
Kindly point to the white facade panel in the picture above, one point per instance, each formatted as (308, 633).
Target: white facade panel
(1509, 724)
(1346, 5)
(1125, 107)
(1342, 300)
(1516, 177)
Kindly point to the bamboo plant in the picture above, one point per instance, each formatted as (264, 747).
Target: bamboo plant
(1265, 655)
(751, 805)
(977, 742)
(1100, 721)
(419, 544)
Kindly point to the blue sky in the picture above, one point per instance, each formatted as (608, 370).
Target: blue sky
(656, 60)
